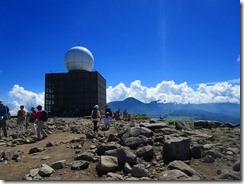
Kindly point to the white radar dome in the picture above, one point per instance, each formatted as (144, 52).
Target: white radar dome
(79, 58)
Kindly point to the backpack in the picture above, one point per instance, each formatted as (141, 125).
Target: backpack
(94, 114)
(44, 116)
(7, 112)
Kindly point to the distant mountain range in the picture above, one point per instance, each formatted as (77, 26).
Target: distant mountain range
(223, 112)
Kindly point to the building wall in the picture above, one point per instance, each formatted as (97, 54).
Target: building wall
(77, 91)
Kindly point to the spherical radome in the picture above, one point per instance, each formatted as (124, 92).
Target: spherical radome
(79, 58)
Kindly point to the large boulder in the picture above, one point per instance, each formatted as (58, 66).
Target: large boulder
(177, 164)
(176, 148)
(181, 126)
(124, 154)
(146, 152)
(104, 147)
(134, 142)
(137, 131)
(107, 164)
(154, 126)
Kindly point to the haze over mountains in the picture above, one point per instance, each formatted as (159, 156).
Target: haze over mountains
(222, 112)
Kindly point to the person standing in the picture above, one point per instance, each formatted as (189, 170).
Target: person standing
(95, 116)
(3, 118)
(41, 134)
(32, 119)
(107, 109)
(107, 120)
(21, 119)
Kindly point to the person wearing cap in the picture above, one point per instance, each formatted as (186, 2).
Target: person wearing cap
(95, 116)
(41, 134)
(21, 119)
(107, 120)
(3, 118)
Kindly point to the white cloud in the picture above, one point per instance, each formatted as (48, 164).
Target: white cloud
(234, 81)
(24, 97)
(168, 91)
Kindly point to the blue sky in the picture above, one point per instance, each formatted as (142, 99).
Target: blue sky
(147, 49)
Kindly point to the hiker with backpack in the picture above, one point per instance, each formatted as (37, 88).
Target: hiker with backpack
(107, 109)
(32, 118)
(41, 117)
(3, 118)
(21, 116)
(95, 116)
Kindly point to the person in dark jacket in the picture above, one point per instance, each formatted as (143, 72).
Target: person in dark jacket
(3, 118)
(108, 110)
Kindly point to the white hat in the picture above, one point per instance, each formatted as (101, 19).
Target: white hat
(96, 107)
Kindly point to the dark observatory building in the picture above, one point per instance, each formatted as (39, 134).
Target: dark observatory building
(76, 92)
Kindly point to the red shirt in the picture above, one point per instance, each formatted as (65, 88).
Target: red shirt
(39, 115)
(32, 114)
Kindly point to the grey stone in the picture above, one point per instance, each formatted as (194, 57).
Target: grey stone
(208, 159)
(35, 150)
(124, 154)
(134, 142)
(79, 165)
(196, 151)
(7, 154)
(51, 143)
(107, 164)
(226, 175)
(104, 147)
(154, 126)
(236, 166)
(45, 170)
(59, 164)
(177, 164)
(127, 168)
(176, 148)
(88, 156)
(173, 175)
(146, 152)
(139, 171)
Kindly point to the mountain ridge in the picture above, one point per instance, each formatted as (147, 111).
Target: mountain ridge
(223, 112)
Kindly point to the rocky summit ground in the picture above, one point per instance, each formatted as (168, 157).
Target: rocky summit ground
(130, 150)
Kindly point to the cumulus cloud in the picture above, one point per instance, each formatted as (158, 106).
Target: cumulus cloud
(164, 92)
(170, 92)
(24, 97)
